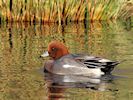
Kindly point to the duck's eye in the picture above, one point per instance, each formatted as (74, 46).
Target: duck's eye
(53, 49)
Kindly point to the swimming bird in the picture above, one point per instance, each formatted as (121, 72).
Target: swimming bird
(65, 63)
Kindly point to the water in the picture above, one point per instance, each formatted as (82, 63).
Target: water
(21, 68)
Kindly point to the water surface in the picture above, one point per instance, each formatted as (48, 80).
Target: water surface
(21, 68)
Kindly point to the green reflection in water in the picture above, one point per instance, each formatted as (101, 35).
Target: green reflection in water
(22, 44)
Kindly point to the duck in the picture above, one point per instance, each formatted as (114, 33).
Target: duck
(62, 62)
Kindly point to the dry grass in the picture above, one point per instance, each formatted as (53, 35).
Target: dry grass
(64, 10)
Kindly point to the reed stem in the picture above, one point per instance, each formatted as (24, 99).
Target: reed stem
(10, 5)
(59, 13)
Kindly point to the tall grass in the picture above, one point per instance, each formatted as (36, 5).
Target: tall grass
(64, 10)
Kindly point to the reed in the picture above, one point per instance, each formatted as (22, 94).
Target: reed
(64, 10)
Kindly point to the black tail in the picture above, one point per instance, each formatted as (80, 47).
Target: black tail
(110, 66)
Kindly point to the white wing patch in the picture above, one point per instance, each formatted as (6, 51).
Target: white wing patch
(104, 60)
(68, 66)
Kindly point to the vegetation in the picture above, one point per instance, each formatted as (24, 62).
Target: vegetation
(64, 10)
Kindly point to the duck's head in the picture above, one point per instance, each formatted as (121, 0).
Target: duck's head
(56, 50)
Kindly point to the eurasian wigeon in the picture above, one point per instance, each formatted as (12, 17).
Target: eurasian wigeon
(64, 63)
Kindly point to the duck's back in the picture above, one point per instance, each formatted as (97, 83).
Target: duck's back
(68, 65)
(94, 62)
